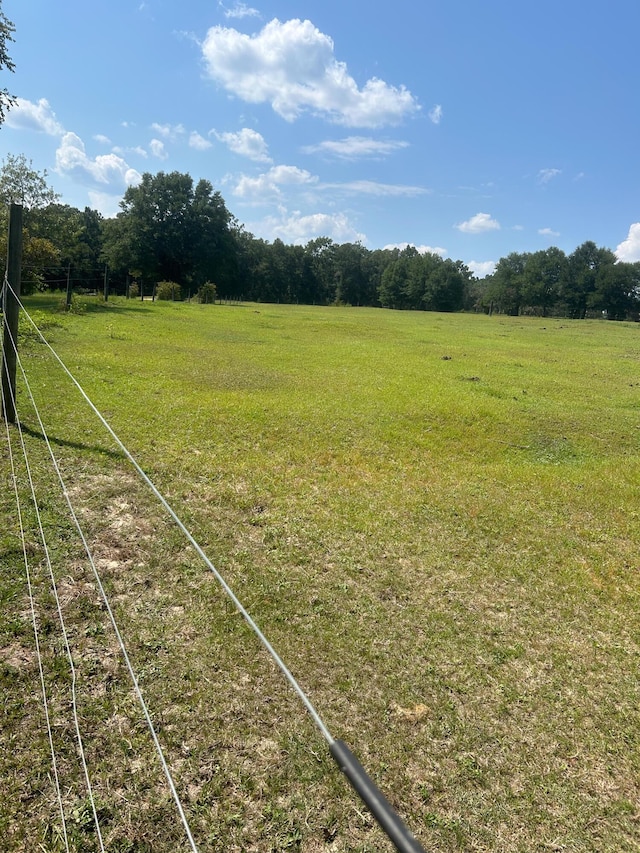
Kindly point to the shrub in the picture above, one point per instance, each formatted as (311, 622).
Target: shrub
(168, 290)
(208, 292)
(134, 291)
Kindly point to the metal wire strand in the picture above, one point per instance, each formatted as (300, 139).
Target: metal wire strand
(160, 497)
(109, 610)
(34, 623)
(54, 588)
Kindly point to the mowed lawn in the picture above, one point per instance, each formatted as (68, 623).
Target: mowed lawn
(433, 518)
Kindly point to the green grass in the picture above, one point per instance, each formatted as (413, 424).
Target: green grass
(434, 519)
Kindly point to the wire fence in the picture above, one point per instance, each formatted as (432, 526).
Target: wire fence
(17, 448)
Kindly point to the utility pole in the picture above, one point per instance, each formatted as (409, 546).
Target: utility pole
(11, 310)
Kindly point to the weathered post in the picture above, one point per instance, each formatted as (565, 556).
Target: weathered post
(11, 311)
(69, 288)
(106, 282)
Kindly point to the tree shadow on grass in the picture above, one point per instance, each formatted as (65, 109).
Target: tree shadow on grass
(75, 445)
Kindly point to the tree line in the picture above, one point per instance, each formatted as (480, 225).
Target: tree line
(171, 229)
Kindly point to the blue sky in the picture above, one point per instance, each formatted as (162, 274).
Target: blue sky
(470, 128)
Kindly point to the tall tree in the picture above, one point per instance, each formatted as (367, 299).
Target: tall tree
(617, 290)
(545, 274)
(584, 265)
(22, 184)
(168, 230)
(394, 282)
(505, 286)
(6, 35)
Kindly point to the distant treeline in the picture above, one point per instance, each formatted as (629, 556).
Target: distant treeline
(172, 230)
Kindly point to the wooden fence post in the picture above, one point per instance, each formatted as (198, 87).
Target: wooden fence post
(11, 312)
(69, 288)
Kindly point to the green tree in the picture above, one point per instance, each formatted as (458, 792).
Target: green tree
(169, 230)
(446, 286)
(22, 184)
(395, 280)
(353, 286)
(6, 35)
(545, 274)
(321, 270)
(617, 290)
(505, 287)
(583, 268)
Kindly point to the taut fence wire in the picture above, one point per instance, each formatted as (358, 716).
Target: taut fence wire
(386, 816)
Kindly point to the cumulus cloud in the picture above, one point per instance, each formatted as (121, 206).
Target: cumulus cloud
(479, 224)
(546, 175)
(248, 143)
(548, 232)
(435, 114)
(157, 149)
(292, 66)
(199, 142)
(299, 229)
(481, 268)
(422, 249)
(25, 115)
(106, 169)
(267, 186)
(629, 249)
(356, 147)
(105, 203)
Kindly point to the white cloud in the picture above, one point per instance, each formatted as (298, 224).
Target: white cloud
(199, 142)
(267, 186)
(546, 175)
(299, 229)
(106, 169)
(479, 224)
(629, 249)
(240, 10)
(102, 139)
(292, 66)
(355, 147)
(138, 150)
(105, 203)
(375, 188)
(548, 232)
(481, 268)
(248, 143)
(423, 250)
(25, 115)
(435, 114)
(157, 149)
(168, 131)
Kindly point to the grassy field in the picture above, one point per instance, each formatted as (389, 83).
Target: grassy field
(433, 518)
